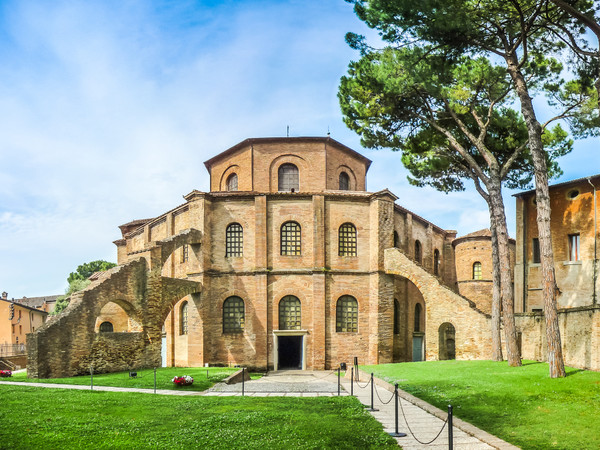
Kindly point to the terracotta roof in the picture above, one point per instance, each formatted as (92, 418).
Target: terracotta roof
(250, 141)
(25, 304)
(481, 233)
(565, 183)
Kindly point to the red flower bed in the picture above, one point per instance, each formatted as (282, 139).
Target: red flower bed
(185, 380)
(5, 373)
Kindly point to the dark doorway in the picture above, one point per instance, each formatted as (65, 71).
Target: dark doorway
(289, 352)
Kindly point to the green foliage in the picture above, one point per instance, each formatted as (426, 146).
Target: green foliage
(85, 270)
(79, 280)
(425, 103)
(521, 405)
(107, 420)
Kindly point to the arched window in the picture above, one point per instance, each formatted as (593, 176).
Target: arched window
(183, 318)
(234, 240)
(232, 182)
(290, 313)
(233, 315)
(396, 239)
(346, 314)
(436, 262)
(344, 181)
(185, 253)
(289, 180)
(347, 240)
(417, 317)
(396, 316)
(291, 242)
(447, 342)
(418, 252)
(106, 327)
(477, 270)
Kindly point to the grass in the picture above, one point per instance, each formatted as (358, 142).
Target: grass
(59, 418)
(204, 378)
(521, 405)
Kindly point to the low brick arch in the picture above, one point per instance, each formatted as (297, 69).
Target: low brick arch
(69, 345)
(444, 305)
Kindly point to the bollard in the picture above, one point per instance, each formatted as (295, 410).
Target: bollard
(450, 437)
(356, 368)
(91, 378)
(396, 433)
(352, 381)
(338, 381)
(207, 374)
(243, 379)
(372, 408)
(155, 380)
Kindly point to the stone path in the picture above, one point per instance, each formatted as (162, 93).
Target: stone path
(424, 420)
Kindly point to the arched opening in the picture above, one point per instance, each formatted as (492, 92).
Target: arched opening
(408, 321)
(346, 315)
(176, 331)
(288, 178)
(447, 342)
(396, 240)
(477, 274)
(418, 252)
(232, 182)
(290, 313)
(113, 316)
(436, 262)
(344, 181)
(106, 327)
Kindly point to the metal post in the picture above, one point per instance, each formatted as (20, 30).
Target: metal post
(450, 437)
(372, 408)
(243, 379)
(155, 380)
(352, 381)
(207, 374)
(92, 378)
(356, 367)
(396, 433)
(338, 381)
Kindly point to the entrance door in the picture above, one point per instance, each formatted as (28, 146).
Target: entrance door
(417, 348)
(289, 352)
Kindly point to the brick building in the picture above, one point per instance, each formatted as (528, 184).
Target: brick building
(574, 226)
(16, 321)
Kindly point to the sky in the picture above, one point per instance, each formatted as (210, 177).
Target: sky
(109, 109)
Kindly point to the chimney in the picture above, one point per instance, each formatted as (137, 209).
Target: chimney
(5, 296)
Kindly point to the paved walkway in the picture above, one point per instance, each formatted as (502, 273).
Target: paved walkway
(425, 420)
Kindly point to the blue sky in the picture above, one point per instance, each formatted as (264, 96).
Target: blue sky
(110, 108)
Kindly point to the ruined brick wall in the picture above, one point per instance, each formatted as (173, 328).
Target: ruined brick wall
(580, 335)
(444, 306)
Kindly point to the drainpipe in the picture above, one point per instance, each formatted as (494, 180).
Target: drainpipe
(594, 275)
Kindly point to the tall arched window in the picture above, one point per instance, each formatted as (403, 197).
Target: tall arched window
(291, 242)
(344, 181)
(417, 317)
(290, 313)
(347, 240)
(183, 318)
(447, 342)
(346, 314)
(288, 178)
(106, 327)
(396, 316)
(232, 182)
(477, 270)
(396, 239)
(233, 315)
(436, 262)
(418, 252)
(234, 240)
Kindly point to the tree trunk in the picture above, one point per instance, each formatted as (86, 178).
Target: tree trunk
(498, 221)
(496, 296)
(549, 288)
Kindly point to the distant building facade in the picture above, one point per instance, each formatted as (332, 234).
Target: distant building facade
(16, 321)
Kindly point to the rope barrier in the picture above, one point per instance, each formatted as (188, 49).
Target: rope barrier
(413, 434)
(362, 387)
(333, 372)
(385, 403)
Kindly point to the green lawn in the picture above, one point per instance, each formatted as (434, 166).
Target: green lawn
(204, 378)
(521, 405)
(59, 418)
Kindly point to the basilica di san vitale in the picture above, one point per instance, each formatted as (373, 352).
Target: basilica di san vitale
(289, 262)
